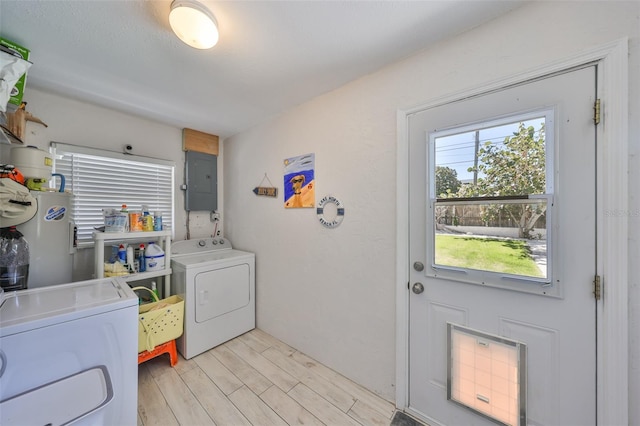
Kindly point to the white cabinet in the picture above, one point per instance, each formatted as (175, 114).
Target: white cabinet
(163, 238)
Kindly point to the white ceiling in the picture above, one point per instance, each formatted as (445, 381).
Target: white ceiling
(272, 55)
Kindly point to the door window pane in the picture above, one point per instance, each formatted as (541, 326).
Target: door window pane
(491, 197)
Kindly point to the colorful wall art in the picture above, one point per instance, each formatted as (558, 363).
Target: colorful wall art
(299, 184)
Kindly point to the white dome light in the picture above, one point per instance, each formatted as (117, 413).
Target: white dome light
(193, 23)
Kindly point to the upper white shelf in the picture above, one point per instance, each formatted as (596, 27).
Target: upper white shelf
(104, 236)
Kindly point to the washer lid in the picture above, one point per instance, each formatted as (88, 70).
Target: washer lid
(39, 307)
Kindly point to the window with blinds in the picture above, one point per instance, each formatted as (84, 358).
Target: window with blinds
(103, 180)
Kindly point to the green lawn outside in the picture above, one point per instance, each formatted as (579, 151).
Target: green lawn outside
(487, 254)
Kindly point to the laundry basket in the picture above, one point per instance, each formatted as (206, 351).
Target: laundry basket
(160, 321)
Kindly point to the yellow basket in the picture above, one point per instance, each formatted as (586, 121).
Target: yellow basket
(159, 322)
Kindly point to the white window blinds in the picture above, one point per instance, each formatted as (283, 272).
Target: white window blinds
(101, 180)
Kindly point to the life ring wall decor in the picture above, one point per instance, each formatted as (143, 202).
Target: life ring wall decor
(320, 212)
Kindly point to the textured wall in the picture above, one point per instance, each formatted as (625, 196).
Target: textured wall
(330, 292)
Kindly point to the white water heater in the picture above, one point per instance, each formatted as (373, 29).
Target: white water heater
(50, 233)
(51, 238)
(32, 162)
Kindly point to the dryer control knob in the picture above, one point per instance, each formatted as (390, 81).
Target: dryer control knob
(214, 242)
(202, 243)
(221, 241)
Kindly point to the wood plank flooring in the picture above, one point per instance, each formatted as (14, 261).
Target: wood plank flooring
(254, 379)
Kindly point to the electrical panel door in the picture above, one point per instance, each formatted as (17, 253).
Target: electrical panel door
(202, 181)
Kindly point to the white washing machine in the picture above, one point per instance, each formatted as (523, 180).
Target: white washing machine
(68, 354)
(218, 285)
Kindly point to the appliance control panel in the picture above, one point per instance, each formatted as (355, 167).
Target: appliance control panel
(199, 245)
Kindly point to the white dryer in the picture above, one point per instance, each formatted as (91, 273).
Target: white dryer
(218, 286)
(68, 354)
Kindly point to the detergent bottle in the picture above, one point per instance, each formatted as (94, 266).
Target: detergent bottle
(154, 257)
(147, 219)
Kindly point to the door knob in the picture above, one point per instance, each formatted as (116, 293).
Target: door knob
(417, 288)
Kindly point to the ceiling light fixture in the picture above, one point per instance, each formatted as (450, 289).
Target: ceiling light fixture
(193, 23)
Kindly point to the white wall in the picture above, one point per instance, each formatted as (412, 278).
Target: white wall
(633, 216)
(330, 292)
(80, 123)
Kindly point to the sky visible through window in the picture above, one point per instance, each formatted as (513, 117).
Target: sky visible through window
(457, 151)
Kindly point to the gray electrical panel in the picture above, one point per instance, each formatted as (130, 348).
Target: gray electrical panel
(201, 172)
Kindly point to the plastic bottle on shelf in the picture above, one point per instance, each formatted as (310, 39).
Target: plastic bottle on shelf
(125, 212)
(154, 257)
(157, 221)
(154, 289)
(122, 254)
(141, 263)
(130, 257)
(147, 219)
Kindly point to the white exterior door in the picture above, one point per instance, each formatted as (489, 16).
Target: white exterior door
(487, 344)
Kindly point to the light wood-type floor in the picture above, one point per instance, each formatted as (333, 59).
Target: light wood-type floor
(257, 380)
